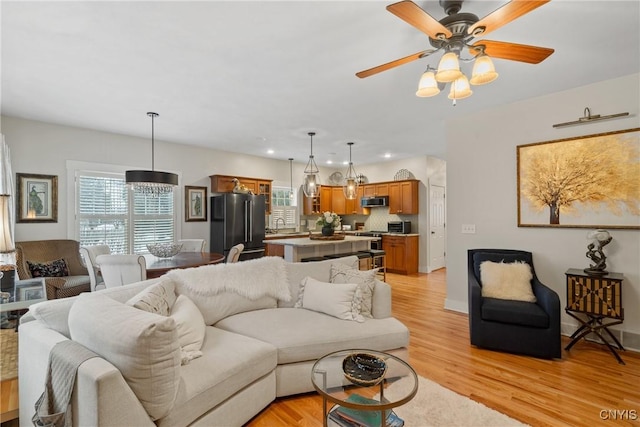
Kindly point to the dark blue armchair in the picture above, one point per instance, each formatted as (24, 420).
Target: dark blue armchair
(513, 326)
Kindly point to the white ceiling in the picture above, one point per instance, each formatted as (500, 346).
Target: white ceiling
(249, 76)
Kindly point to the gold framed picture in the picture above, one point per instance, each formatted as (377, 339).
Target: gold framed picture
(590, 181)
(195, 203)
(37, 198)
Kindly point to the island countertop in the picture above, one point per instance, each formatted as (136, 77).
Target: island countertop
(305, 241)
(296, 250)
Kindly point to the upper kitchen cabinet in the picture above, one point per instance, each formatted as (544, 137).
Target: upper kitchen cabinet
(258, 186)
(403, 197)
(353, 207)
(371, 190)
(338, 201)
(319, 204)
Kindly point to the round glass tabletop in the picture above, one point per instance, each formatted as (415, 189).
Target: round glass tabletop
(334, 384)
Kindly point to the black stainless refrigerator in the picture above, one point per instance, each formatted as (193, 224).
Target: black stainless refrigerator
(238, 218)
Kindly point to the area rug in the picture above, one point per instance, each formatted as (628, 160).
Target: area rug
(8, 354)
(435, 405)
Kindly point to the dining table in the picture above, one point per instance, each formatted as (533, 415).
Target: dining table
(156, 266)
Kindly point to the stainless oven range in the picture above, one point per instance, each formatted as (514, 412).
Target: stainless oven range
(375, 244)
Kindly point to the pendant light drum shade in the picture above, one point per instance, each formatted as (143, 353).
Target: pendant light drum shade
(151, 182)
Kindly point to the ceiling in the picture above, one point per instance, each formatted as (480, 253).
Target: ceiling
(248, 76)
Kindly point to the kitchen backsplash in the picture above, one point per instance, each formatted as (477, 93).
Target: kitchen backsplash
(376, 221)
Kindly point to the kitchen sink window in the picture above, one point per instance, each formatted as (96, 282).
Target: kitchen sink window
(109, 213)
(284, 209)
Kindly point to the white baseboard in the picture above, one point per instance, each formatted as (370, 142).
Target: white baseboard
(455, 305)
(629, 340)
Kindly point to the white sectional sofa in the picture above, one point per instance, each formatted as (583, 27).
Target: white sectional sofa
(256, 347)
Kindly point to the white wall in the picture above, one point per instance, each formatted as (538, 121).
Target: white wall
(481, 189)
(44, 148)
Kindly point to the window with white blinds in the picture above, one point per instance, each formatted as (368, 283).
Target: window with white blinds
(283, 206)
(104, 217)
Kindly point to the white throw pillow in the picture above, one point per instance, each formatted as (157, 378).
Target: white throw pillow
(158, 298)
(142, 346)
(190, 326)
(366, 281)
(510, 281)
(341, 300)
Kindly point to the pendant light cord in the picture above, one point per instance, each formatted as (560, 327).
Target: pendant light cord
(153, 116)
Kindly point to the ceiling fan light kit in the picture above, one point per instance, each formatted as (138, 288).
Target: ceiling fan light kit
(453, 34)
(151, 182)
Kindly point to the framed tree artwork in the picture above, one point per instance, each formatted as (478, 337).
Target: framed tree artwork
(195, 200)
(37, 198)
(591, 181)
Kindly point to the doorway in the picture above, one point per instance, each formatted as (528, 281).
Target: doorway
(437, 227)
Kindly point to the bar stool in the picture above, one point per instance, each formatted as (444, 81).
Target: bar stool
(379, 261)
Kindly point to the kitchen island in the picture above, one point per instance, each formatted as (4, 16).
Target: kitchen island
(297, 249)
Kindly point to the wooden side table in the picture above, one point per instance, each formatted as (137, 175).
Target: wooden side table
(599, 299)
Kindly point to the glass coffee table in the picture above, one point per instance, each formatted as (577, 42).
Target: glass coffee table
(20, 297)
(361, 399)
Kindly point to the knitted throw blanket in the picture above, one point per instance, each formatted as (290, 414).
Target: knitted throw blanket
(251, 279)
(53, 408)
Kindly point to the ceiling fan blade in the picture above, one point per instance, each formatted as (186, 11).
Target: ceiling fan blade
(411, 13)
(513, 51)
(393, 64)
(505, 14)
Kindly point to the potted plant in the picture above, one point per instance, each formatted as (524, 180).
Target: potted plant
(329, 221)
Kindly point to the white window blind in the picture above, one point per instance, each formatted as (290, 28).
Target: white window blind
(104, 216)
(103, 211)
(282, 206)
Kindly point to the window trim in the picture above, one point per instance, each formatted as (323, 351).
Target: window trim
(74, 166)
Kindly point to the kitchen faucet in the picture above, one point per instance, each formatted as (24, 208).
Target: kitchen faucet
(284, 224)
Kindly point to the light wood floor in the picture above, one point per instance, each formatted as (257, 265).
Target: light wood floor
(568, 391)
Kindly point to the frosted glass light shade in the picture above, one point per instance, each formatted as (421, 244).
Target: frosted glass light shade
(448, 68)
(460, 88)
(428, 85)
(350, 188)
(311, 185)
(483, 71)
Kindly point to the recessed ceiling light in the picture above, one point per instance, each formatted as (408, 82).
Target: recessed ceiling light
(270, 151)
(329, 162)
(387, 155)
(345, 162)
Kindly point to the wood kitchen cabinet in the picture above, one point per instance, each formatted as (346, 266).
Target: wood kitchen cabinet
(319, 204)
(403, 197)
(310, 205)
(259, 186)
(379, 189)
(402, 253)
(353, 207)
(338, 201)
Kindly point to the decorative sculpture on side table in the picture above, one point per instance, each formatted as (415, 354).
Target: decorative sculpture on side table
(601, 238)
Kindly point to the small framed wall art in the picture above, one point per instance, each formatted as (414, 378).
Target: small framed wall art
(37, 198)
(195, 203)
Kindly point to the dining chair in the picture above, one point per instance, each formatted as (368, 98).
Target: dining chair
(192, 245)
(234, 253)
(89, 254)
(118, 270)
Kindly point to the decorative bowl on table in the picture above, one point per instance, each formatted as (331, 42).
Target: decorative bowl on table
(164, 250)
(364, 369)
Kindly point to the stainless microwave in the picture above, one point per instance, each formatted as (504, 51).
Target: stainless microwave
(369, 202)
(403, 227)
